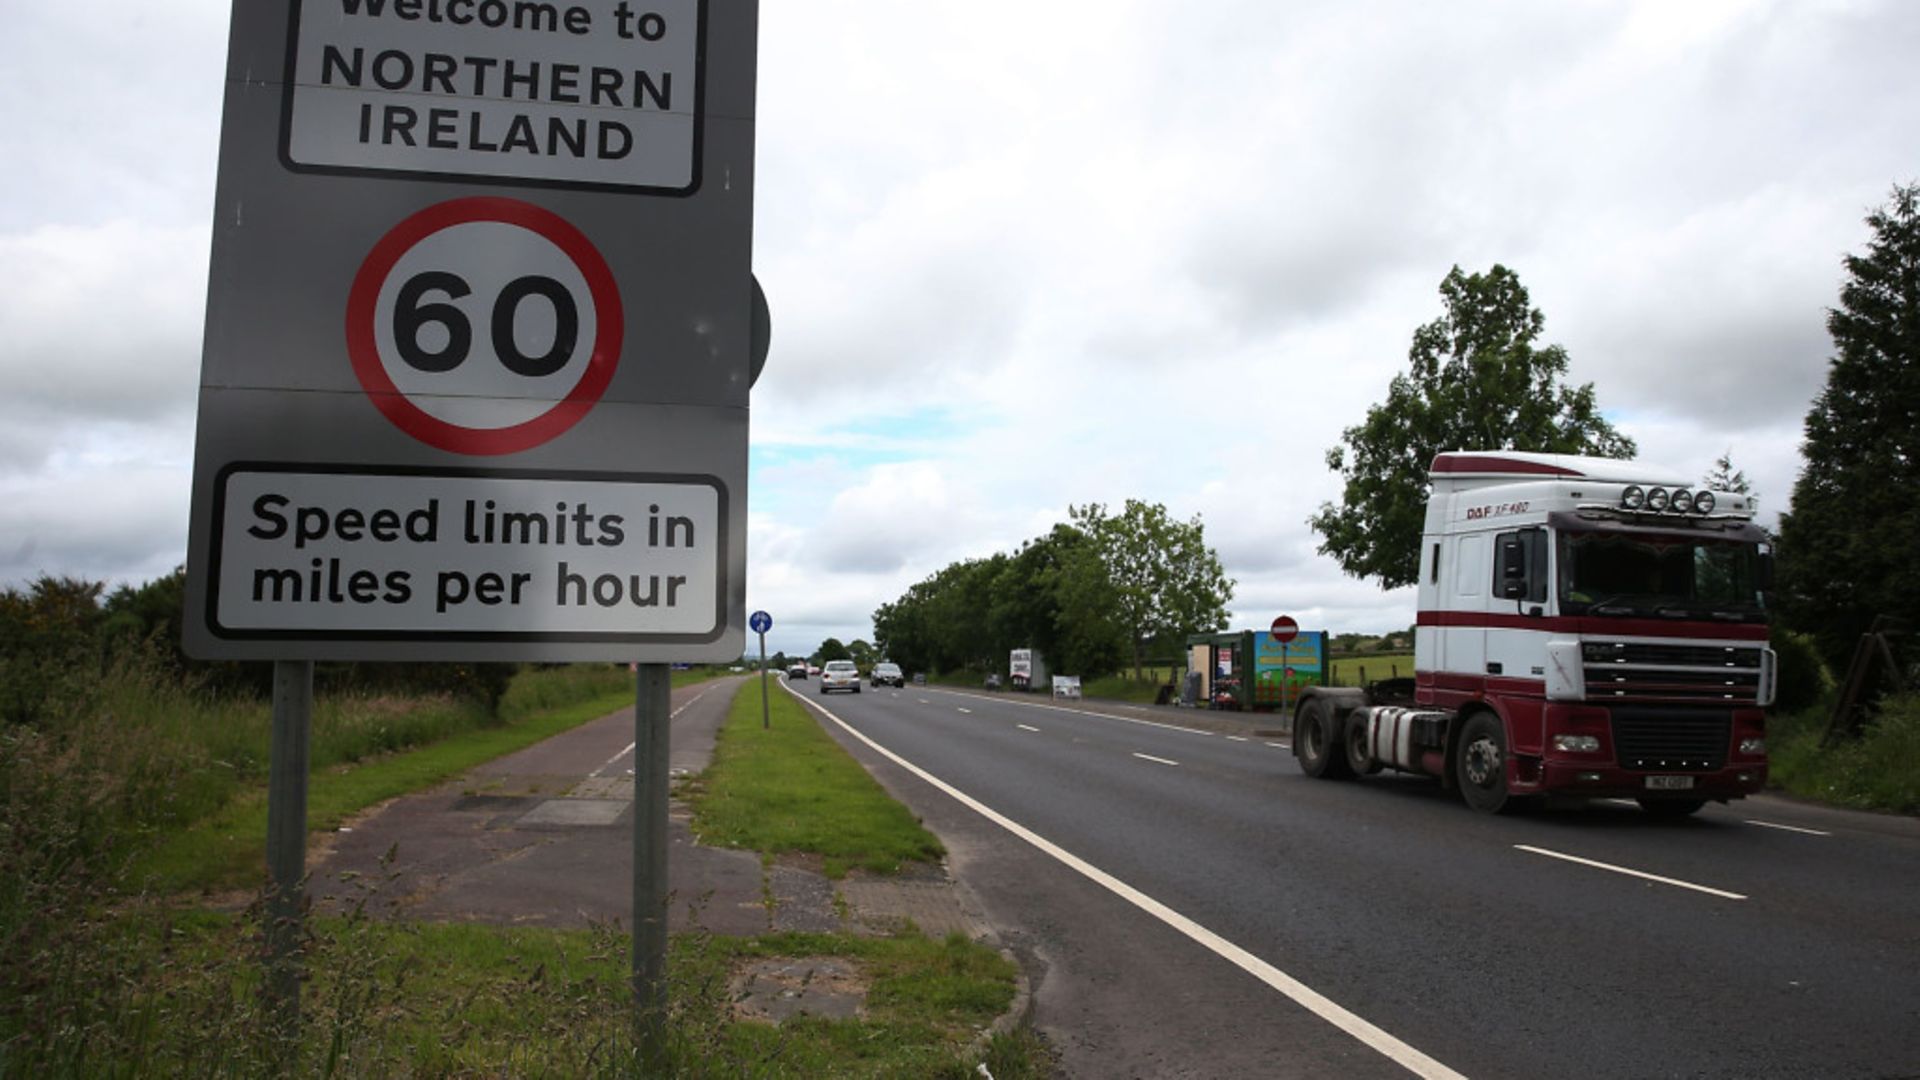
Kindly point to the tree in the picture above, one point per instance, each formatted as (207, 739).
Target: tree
(862, 654)
(1724, 477)
(832, 649)
(1477, 382)
(1846, 542)
(1163, 579)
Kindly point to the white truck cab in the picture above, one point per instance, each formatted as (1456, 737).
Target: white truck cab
(1587, 627)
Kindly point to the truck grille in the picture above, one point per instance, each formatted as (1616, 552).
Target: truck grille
(1653, 740)
(1634, 671)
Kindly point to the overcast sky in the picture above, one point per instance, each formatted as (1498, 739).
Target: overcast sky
(1028, 255)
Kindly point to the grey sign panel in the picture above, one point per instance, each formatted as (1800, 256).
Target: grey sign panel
(393, 340)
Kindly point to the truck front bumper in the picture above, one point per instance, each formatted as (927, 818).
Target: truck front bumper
(1608, 780)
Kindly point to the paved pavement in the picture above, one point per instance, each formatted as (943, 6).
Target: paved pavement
(544, 837)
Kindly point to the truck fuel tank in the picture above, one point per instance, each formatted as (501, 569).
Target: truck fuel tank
(1411, 740)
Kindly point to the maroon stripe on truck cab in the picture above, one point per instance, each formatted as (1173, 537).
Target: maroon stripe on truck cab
(1489, 463)
(1596, 627)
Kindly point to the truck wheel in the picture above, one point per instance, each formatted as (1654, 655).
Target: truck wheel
(1480, 763)
(1671, 808)
(1317, 743)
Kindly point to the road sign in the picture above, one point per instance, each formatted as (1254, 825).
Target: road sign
(484, 325)
(1285, 629)
(760, 622)
(480, 332)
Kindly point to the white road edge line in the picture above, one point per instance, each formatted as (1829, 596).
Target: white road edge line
(1787, 828)
(609, 762)
(1305, 996)
(1630, 873)
(1281, 745)
(1150, 757)
(1026, 727)
(1238, 738)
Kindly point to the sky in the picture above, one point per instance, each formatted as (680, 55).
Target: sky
(1025, 256)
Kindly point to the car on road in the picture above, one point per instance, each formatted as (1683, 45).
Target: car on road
(840, 675)
(797, 671)
(886, 674)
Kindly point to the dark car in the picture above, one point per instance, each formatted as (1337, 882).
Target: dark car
(886, 674)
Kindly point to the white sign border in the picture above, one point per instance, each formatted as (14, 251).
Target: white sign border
(284, 144)
(356, 636)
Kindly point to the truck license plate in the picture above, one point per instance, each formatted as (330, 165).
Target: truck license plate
(1669, 783)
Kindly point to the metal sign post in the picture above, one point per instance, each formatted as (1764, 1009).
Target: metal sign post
(287, 841)
(1284, 630)
(652, 708)
(761, 622)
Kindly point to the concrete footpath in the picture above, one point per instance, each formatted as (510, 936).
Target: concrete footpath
(544, 837)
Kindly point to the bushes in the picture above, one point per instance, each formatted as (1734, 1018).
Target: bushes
(1803, 676)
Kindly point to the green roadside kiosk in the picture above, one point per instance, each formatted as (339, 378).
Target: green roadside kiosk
(1250, 670)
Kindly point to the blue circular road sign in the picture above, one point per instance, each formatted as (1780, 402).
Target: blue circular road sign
(760, 621)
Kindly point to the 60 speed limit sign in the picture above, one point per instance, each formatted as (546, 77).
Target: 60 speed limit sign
(484, 325)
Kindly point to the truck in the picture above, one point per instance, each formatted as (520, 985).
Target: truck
(1587, 628)
(1027, 670)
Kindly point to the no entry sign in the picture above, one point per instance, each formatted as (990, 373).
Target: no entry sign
(1285, 629)
(479, 334)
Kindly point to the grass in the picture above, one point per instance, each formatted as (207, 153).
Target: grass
(457, 1000)
(790, 789)
(226, 849)
(1348, 670)
(1879, 770)
(100, 979)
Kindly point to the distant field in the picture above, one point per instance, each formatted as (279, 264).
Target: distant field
(1353, 670)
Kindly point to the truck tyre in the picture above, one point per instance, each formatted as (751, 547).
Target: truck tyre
(1671, 808)
(1480, 763)
(1317, 742)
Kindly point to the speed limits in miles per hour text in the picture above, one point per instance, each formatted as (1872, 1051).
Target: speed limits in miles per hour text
(397, 554)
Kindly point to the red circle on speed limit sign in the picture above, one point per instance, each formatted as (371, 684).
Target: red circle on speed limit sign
(484, 325)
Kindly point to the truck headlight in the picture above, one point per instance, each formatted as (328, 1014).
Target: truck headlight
(1682, 501)
(1754, 746)
(1657, 499)
(1633, 497)
(1703, 502)
(1577, 744)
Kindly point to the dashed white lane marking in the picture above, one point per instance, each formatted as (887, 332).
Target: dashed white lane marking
(1281, 745)
(1676, 882)
(1026, 727)
(969, 712)
(1237, 738)
(1300, 993)
(1150, 757)
(1787, 828)
(608, 764)
(1105, 716)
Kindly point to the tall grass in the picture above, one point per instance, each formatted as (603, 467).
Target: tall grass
(1878, 770)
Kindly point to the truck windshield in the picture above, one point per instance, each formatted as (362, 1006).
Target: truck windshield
(1660, 576)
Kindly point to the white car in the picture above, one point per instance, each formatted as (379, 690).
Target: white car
(840, 675)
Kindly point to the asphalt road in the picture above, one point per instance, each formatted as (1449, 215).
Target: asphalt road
(1195, 906)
